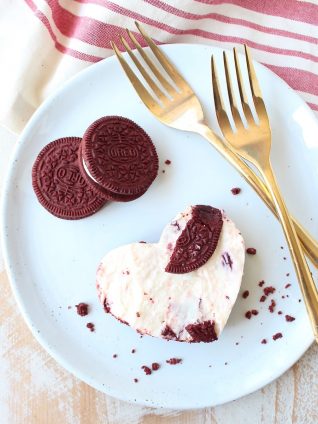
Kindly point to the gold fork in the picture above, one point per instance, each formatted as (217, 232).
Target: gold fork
(176, 105)
(253, 143)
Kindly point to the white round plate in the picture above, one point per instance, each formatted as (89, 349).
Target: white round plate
(52, 262)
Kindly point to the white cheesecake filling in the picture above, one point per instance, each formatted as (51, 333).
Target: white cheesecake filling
(137, 290)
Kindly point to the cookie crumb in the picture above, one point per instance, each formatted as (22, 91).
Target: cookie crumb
(133, 350)
(82, 309)
(251, 251)
(248, 314)
(146, 369)
(287, 285)
(272, 306)
(155, 366)
(263, 298)
(91, 326)
(264, 341)
(261, 283)
(269, 290)
(168, 162)
(174, 361)
(235, 191)
(115, 355)
(245, 294)
(289, 318)
(277, 336)
(136, 380)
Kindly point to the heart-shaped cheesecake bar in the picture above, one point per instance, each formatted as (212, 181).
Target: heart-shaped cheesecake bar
(182, 288)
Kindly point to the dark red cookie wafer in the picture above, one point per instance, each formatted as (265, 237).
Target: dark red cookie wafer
(198, 240)
(120, 155)
(58, 183)
(100, 190)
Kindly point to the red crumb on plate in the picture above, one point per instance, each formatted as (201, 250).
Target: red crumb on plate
(115, 355)
(133, 350)
(264, 341)
(263, 298)
(269, 290)
(155, 366)
(277, 336)
(287, 285)
(146, 369)
(272, 306)
(91, 326)
(245, 294)
(168, 162)
(174, 361)
(249, 314)
(235, 191)
(251, 251)
(261, 283)
(289, 318)
(82, 309)
(136, 380)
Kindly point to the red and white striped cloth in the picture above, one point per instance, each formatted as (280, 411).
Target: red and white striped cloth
(47, 41)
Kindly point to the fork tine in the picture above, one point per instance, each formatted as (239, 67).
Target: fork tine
(256, 91)
(166, 85)
(164, 61)
(255, 88)
(148, 100)
(244, 100)
(235, 112)
(222, 117)
(143, 72)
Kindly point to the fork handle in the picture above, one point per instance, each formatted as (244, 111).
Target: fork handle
(306, 282)
(309, 244)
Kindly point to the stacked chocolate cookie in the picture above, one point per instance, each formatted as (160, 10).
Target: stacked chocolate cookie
(114, 161)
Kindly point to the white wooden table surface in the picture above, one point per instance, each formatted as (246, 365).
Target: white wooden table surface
(34, 389)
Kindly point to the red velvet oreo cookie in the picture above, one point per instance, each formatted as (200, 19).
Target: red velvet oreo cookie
(198, 240)
(58, 183)
(100, 190)
(119, 156)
